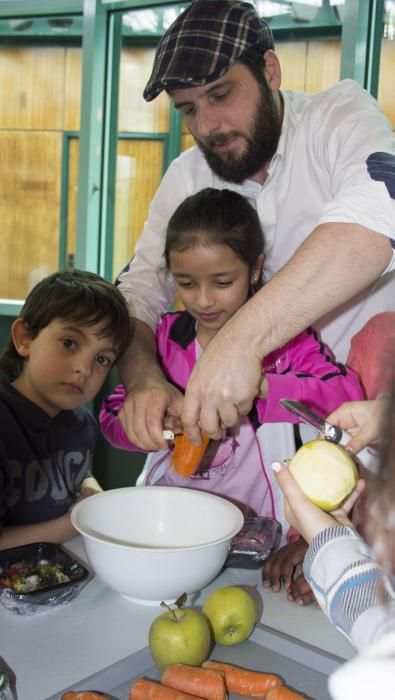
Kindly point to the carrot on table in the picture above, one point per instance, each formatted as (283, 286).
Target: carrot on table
(144, 689)
(186, 456)
(205, 682)
(84, 695)
(284, 693)
(242, 681)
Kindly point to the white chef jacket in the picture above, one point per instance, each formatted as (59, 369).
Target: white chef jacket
(328, 167)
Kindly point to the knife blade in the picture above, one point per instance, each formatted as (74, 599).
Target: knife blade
(367, 457)
(330, 432)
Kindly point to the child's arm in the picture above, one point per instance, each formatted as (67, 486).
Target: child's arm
(110, 425)
(56, 531)
(306, 372)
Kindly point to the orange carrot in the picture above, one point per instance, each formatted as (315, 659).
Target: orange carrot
(144, 689)
(284, 693)
(186, 457)
(207, 683)
(245, 682)
(84, 695)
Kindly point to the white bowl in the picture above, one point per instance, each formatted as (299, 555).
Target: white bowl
(153, 543)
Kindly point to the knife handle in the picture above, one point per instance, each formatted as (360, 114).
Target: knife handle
(368, 457)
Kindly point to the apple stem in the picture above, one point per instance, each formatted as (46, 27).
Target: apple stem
(165, 605)
(181, 600)
(179, 603)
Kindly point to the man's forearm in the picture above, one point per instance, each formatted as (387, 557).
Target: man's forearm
(336, 262)
(141, 357)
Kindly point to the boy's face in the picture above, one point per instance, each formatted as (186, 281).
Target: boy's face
(65, 365)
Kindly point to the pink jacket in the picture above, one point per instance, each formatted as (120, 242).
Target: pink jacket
(303, 369)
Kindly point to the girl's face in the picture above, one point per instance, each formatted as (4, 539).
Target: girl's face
(212, 283)
(64, 366)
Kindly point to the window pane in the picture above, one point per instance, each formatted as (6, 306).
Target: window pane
(139, 171)
(387, 64)
(39, 83)
(143, 132)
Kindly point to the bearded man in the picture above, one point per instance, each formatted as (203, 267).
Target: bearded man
(320, 170)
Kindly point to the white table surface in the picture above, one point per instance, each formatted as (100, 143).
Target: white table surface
(52, 650)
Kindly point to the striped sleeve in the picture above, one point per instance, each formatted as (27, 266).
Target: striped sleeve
(356, 593)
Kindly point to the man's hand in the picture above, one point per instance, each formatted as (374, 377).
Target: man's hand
(223, 383)
(362, 419)
(148, 409)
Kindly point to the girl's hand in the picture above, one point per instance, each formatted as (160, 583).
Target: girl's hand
(263, 388)
(306, 517)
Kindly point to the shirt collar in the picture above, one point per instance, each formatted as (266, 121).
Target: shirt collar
(253, 187)
(286, 129)
(33, 414)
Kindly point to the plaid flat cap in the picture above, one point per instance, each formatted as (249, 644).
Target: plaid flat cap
(204, 42)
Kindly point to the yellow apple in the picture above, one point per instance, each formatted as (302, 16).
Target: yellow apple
(232, 614)
(180, 636)
(325, 472)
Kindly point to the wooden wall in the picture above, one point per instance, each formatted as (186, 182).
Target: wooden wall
(386, 93)
(40, 89)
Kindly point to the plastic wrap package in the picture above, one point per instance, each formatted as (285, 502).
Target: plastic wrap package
(258, 538)
(37, 577)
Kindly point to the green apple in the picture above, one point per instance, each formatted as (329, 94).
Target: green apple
(180, 636)
(325, 472)
(232, 614)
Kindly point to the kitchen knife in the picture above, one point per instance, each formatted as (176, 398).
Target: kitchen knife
(368, 457)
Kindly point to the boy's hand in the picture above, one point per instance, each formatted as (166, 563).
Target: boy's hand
(85, 492)
(88, 491)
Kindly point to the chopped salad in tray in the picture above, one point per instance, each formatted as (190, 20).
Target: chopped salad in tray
(25, 577)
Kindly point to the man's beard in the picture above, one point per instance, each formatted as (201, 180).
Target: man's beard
(261, 144)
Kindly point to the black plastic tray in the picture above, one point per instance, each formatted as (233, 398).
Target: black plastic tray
(302, 667)
(35, 601)
(257, 540)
